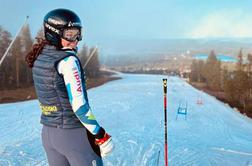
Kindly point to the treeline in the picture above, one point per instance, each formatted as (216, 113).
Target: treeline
(233, 86)
(92, 69)
(15, 73)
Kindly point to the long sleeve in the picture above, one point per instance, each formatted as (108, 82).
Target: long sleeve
(71, 71)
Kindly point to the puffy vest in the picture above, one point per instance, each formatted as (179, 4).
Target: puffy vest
(51, 90)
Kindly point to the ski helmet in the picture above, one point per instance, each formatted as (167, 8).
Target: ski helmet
(57, 21)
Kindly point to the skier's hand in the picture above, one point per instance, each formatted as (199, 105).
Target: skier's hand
(106, 145)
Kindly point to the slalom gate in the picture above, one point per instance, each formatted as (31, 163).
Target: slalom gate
(182, 110)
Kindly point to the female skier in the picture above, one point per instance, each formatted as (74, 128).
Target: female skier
(70, 133)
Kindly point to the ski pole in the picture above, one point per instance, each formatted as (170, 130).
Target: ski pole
(165, 121)
(158, 158)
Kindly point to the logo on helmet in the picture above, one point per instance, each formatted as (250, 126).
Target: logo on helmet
(52, 28)
(73, 24)
(55, 22)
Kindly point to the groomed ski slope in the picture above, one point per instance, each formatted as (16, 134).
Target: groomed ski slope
(131, 109)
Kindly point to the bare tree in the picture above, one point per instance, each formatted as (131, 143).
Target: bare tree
(26, 45)
(5, 40)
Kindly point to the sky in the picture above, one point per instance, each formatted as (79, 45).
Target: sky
(140, 19)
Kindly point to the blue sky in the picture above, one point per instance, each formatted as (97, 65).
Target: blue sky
(103, 19)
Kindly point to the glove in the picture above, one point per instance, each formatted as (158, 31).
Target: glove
(106, 145)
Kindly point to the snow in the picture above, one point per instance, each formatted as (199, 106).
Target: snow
(131, 110)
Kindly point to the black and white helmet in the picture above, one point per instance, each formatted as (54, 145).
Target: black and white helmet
(56, 24)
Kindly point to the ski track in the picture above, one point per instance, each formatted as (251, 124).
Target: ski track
(232, 151)
(131, 109)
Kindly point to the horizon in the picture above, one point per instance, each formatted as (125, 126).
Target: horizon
(143, 19)
(129, 27)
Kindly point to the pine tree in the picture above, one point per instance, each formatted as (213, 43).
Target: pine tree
(201, 77)
(194, 71)
(212, 72)
(241, 82)
(237, 85)
(250, 76)
(229, 87)
(240, 61)
(249, 57)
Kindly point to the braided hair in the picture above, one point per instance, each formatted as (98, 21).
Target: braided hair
(35, 51)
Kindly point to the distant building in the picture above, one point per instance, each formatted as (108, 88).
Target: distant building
(227, 62)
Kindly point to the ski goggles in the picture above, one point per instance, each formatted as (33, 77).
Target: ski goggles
(72, 34)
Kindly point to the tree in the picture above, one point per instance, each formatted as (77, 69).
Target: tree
(84, 53)
(194, 71)
(93, 66)
(249, 57)
(5, 40)
(237, 86)
(212, 72)
(16, 54)
(240, 61)
(241, 84)
(26, 45)
(16, 73)
(201, 77)
(40, 33)
(229, 87)
(1, 42)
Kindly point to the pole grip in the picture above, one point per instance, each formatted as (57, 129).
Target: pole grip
(165, 85)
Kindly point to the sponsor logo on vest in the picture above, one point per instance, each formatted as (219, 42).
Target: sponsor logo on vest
(47, 109)
(94, 163)
(77, 77)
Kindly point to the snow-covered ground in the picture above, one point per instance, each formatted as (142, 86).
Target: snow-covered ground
(131, 109)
